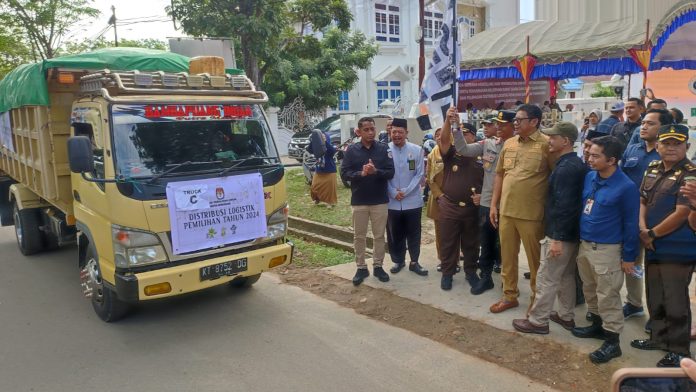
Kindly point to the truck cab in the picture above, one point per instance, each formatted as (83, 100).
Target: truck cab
(175, 183)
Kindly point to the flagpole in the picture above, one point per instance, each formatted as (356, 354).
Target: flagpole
(455, 66)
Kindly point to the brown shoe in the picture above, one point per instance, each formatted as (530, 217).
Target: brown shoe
(526, 326)
(570, 324)
(503, 305)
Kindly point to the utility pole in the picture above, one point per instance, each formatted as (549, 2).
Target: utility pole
(112, 21)
(421, 58)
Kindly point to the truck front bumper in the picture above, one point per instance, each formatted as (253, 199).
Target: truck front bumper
(185, 278)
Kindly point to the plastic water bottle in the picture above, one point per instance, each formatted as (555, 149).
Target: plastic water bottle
(637, 271)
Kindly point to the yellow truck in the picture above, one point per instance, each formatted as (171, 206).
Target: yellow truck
(167, 181)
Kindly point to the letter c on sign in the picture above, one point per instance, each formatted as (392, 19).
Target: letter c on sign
(193, 199)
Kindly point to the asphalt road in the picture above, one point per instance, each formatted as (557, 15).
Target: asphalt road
(272, 337)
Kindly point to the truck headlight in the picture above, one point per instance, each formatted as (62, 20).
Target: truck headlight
(278, 223)
(136, 248)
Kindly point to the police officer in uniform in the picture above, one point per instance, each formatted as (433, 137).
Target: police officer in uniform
(670, 246)
(458, 215)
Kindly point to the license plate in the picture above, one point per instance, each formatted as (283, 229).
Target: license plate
(226, 268)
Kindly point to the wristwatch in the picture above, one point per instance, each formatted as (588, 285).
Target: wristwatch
(651, 234)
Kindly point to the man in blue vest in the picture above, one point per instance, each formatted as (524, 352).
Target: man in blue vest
(670, 247)
(634, 163)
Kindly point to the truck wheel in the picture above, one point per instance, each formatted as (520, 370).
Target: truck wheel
(29, 236)
(104, 301)
(246, 281)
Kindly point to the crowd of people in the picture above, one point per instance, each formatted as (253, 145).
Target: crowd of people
(588, 220)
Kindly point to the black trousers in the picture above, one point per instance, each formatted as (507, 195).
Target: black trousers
(667, 294)
(458, 228)
(404, 230)
(490, 248)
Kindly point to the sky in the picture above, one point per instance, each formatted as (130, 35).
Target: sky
(131, 16)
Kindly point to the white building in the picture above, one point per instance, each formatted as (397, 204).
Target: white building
(393, 24)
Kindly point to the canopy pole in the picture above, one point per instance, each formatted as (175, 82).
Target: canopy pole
(527, 91)
(647, 43)
(628, 93)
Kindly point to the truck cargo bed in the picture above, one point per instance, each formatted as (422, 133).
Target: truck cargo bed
(40, 157)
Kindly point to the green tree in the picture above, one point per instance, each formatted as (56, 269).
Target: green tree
(601, 91)
(289, 48)
(13, 51)
(72, 47)
(45, 24)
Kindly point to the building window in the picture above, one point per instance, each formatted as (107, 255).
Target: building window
(433, 27)
(467, 27)
(388, 90)
(387, 23)
(343, 101)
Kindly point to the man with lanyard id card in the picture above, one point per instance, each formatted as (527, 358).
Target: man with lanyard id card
(608, 244)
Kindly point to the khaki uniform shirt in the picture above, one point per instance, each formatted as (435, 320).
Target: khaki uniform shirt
(526, 165)
(435, 178)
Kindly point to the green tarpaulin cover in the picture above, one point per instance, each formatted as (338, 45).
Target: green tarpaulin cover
(26, 84)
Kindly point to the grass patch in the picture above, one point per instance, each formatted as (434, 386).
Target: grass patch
(309, 254)
(302, 206)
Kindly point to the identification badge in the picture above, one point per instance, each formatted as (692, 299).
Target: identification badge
(588, 207)
(411, 164)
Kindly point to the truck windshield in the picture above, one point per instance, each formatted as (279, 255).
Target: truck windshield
(151, 139)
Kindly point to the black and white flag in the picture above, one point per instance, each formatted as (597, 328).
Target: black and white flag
(436, 91)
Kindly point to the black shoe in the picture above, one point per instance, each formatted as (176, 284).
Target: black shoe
(415, 267)
(360, 275)
(485, 283)
(611, 348)
(456, 270)
(646, 344)
(473, 279)
(379, 273)
(671, 360)
(593, 331)
(588, 316)
(527, 275)
(446, 282)
(496, 268)
(397, 267)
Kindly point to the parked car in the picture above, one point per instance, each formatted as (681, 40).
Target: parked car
(300, 140)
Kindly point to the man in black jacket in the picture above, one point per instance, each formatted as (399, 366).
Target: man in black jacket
(556, 276)
(623, 131)
(368, 166)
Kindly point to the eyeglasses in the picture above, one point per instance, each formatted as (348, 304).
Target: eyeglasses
(519, 119)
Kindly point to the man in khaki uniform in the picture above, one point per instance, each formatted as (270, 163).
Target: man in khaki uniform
(520, 187)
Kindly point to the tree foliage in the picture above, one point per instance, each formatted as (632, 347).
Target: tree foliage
(601, 91)
(73, 47)
(13, 51)
(45, 24)
(289, 48)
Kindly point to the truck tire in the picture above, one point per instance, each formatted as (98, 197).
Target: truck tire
(104, 301)
(29, 236)
(246, 281)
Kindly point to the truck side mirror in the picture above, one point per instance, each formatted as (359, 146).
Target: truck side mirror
(80, 154)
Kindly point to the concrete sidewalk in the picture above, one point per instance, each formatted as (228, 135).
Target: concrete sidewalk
(460, 301)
